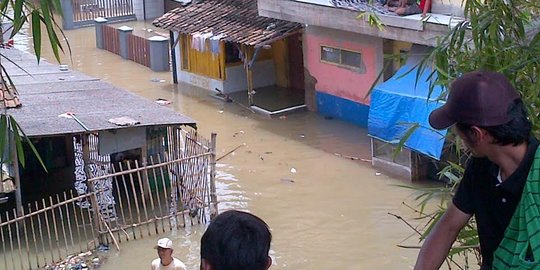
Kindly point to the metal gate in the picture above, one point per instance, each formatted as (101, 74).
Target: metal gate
(78, 13)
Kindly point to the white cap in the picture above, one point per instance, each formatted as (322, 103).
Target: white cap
(164, 243)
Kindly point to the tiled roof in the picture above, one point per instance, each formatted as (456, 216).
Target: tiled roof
(236, 20)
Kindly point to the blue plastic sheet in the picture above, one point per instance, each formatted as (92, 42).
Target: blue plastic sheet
(402, 102)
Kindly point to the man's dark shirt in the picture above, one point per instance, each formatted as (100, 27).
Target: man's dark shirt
(491, 202)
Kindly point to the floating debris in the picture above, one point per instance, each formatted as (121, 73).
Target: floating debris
(163, 102)
(83, 261)
(293, 170)
(124, 121)
(156, 80)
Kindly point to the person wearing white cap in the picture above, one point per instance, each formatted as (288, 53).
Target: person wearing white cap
(166, 261)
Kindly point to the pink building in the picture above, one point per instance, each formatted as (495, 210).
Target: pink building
(344, 66)
(344, 54)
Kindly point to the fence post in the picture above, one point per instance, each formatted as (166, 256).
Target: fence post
(91, 188)
(159, 53)
(67, 11)
(213, 195)
(123, 35)
(98, 25)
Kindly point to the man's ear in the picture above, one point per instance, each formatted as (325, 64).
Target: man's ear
(205, 265)
(269, 262)
(479, 133)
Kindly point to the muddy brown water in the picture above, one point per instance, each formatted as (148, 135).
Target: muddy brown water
(325, 211)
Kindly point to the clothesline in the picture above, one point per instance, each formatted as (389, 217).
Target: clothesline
(198, 42)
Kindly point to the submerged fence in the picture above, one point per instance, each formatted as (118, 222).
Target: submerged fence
(161, 193)
(145, 48)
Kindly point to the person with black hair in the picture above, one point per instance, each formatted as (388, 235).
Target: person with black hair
(236, 240)
(489, 115)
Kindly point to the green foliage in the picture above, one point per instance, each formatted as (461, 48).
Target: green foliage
(499, 35)
(36, 14)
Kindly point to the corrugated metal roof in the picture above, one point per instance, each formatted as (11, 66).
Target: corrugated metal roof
(237, 20)
(49, 92)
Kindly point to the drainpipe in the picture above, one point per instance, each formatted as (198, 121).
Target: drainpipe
(144, 9)
(173, 55)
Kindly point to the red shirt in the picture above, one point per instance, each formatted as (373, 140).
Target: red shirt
(423, 4)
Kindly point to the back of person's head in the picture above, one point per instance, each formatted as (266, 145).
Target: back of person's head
(236, 240)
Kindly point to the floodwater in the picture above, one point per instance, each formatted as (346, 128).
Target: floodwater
(325, 211)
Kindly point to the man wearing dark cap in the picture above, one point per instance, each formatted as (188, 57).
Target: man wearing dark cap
(488, 114)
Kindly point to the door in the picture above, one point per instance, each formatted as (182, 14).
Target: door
(296, 62)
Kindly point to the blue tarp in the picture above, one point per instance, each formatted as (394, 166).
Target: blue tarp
(401, 102)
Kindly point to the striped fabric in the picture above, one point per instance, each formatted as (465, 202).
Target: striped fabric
(520, 247)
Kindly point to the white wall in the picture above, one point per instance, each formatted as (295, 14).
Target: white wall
(264, 74)
(448, 7)
(154, 8)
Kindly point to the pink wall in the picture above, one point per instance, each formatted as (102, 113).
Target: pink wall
(339, 81)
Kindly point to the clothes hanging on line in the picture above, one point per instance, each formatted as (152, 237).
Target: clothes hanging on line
(196, 41)
(215, 42)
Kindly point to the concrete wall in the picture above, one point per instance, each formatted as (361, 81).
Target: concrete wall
(153, 8)
(397, 28)
(448, 7)
(264, 74)
(341, 92)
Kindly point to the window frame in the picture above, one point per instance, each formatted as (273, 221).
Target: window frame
(361, 68)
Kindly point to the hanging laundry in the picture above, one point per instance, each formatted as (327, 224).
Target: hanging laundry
(196, 42)
(215, 42)
(203, 39)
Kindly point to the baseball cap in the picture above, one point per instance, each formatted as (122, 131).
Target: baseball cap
(164, 243)
(479, 98)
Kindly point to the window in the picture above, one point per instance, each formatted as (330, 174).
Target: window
(341, 57)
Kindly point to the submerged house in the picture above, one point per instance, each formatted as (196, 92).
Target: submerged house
(80, 126)
(346, 54)
(225, 46)
(118, 167)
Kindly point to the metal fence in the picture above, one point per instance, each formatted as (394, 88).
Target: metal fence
(161, 193)
(88, 10)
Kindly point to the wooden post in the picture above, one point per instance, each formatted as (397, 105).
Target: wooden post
(213, 196)
(91, 189)
(16, 176)
(249, 73)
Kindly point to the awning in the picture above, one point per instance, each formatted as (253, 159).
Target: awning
(235, 21)
(402, 102)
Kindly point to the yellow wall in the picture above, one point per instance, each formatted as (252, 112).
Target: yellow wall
(281, 62)
(203, 63)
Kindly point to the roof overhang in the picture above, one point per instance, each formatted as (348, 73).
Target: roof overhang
(410, 29)
(229, 20)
